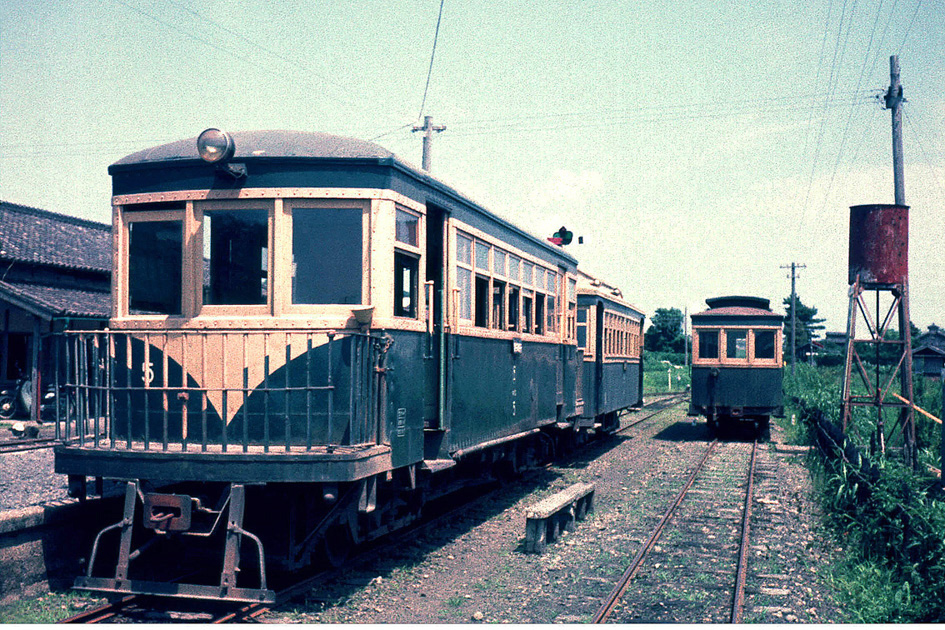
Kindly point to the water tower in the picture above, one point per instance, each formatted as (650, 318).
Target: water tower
(879, 268)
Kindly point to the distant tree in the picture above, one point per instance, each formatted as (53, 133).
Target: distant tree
(665, 333)
(808, 325)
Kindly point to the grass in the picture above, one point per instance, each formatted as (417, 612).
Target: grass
(892, 529)
(655, 377)
(47, 608)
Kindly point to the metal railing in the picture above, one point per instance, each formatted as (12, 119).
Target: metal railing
(219, 390)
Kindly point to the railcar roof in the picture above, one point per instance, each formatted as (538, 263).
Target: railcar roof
(268, 144)
(738, 306)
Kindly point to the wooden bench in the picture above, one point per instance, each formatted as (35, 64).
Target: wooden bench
(545, 520)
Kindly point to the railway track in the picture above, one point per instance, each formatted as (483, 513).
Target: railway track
(134, 608)
(701, 567)
(26, 444)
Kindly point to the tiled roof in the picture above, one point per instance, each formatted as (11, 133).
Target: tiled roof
(47, 238)
(57, 301)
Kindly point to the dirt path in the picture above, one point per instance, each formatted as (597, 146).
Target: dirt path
(474, 568)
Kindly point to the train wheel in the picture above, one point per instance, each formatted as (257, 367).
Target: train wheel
(7, 407)
(336, 546)
(712, 424)
(764, 429)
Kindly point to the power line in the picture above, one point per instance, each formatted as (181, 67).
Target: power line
(436, 36)
(909, 30)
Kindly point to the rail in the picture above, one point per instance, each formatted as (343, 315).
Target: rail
(219, 390)
(611, 601)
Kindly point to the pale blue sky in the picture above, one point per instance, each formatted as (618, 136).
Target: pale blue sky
(697, 146)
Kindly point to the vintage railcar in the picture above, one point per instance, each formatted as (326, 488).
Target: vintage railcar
(737, 363)
(309, 338)
(610, 338)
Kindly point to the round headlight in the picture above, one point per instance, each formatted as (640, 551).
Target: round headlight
(215, 146)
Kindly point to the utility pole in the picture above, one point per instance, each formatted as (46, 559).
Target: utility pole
(794, 267)
(428, 128)
(893, 101)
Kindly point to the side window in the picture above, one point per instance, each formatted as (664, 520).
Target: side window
(464, 283)
(736, 344)
(528, 302)
(155, 256)
(326, 255)
(764, 344)
(482, 302)
(407, 228)
(237, 244)
(708, 344)
(539, 313)
(464, 275)
(582, 327)
(498, 304)
(513, 307)
(405, 285)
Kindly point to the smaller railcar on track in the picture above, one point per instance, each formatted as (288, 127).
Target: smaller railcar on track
(737, 363)
(309, 339)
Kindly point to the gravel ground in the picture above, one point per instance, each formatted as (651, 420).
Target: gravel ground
(474, 569)
(27, 478)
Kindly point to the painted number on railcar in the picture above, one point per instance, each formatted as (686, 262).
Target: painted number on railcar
(401, 422)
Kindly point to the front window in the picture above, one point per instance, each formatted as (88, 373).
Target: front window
(155, 255)
(736, 344)
(708, 344)
(764, 344)
(327, 255)
(237, 245)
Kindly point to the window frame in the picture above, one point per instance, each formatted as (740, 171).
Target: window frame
(123, 286)
(750, 360)
(284, 303)
(514, 271)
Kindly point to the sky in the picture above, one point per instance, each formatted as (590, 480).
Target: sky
(698, 147)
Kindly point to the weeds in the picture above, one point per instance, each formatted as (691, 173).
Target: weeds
(891, 521)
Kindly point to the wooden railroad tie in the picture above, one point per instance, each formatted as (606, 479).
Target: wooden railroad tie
(545, 520)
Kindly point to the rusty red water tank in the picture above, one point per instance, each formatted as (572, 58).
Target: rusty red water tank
(879, 244)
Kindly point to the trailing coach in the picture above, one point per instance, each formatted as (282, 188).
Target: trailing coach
(309, 339)
(737, 363)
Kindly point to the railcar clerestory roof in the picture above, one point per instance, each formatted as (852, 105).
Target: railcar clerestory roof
(267, 144)
(735, 306)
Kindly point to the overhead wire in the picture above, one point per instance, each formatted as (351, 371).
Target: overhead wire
(426, 89)
(859, 81)
(909, 29)
(820, 133)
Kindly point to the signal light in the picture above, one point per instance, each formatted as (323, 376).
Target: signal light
(562, 237)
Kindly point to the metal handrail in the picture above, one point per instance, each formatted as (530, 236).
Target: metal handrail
(144, 390)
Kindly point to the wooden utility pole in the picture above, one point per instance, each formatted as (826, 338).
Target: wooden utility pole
(894, 99)
(794, 267)
(428, 128)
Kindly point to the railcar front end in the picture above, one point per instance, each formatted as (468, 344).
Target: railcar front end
(737, 363)
(308, 336)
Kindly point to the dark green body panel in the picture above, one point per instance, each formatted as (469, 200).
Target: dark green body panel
(497, 392)
(618, 387)
(737, 391)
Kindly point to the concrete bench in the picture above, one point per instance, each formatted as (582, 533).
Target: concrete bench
(545, 520)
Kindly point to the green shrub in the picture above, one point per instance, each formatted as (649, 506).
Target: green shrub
(893, 527)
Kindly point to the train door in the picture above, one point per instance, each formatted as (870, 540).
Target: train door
(599, 401)
(564, 349)
(436, 356)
